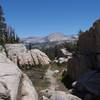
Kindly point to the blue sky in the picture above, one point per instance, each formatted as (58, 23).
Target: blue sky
(42, 17)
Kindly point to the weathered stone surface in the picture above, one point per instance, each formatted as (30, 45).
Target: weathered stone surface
(39, 57)
(86, 43)
(27, 90)
(2, 50)
(62, 56)
(77, 66)
(21, 56)
(85, 65)
(12, 81)
(4, 92)
(59, 95)
(89, 57)
(65, 52)
(62, 52)
(89, 41)
(90, 82)
(10, 75)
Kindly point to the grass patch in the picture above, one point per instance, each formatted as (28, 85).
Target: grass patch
(58, 66)
(36, 74)
(41, 85)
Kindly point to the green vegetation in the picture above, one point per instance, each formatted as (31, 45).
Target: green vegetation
(7, 33)
(71, 47)
(58, 66)
(50, 52)
(1, 48)
(36, 74)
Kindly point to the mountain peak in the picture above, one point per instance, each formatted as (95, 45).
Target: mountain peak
(57, 36)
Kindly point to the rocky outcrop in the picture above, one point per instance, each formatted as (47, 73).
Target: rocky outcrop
(77, 66)
(89, 41)
(2, 50)
(89, 44)
(65, 52)
(89, 57)
(84, 66)
(62, 55)
(14, 85)
(21, 56)
(58, 95)
(28, 92)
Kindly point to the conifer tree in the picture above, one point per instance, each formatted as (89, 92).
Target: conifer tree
(7, 34)
(17, 39)
(2, 27)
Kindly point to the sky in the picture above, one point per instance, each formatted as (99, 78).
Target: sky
(42, 17)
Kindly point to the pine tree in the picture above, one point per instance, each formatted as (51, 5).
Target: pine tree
(12, 36)
(80, 32)
(7, 34)
(2, 27)
(30, 46)
(17, 39)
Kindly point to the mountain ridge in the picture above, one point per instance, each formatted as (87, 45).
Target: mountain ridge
(53, 37)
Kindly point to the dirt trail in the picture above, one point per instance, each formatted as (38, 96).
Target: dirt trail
(51, 78)
(50, 75)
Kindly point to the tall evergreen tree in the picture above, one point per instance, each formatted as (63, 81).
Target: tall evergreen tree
(17, 39)
(2, 27)
(7, 34)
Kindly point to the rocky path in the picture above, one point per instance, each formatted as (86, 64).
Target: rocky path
(51, 78)
(53, 92)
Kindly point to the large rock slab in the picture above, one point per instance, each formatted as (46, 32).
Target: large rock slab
(21, 56)
(77, 66)
(10, 75)
(28, 92)
(90, 82)
(12, 81)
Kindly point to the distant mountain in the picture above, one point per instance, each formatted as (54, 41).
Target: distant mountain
(34, 40)
(54, 37)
